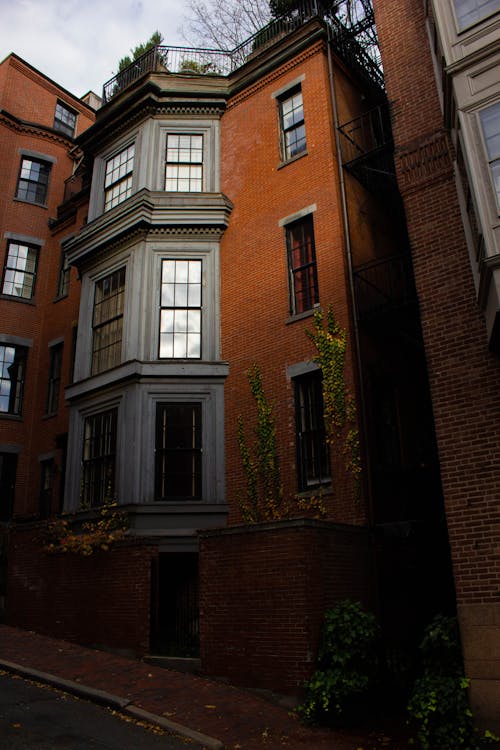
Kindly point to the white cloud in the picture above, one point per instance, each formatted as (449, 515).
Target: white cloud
(78, 43)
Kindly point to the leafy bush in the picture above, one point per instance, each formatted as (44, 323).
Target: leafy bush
(347, 664)
(439, 705)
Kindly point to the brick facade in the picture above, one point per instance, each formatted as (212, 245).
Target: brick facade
(101, 600)
(263, 591)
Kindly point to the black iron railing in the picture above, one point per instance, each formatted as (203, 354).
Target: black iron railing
(365, 134)
(185, 60)
(384, 284)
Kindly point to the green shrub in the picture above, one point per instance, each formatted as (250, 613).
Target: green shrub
(347, 664)
(439, 705)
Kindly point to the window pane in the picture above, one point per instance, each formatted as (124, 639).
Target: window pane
(180, 316)
(293, 132)
(472, 11)
(178, 451)
(312, 449)
(33, 181)
(183, 165)
(12, 367)
(118, 177)
(304, 293)
(107, 322)
(20, 270)
(99, 458)
(490, 121)
(64, 119)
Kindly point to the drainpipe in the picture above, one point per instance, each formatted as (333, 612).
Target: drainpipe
(348, 250)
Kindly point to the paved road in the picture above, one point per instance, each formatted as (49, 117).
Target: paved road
(34, 717)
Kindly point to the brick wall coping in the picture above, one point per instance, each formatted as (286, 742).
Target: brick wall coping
(293, 523)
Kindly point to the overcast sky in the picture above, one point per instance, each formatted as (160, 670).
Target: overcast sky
(78, 43)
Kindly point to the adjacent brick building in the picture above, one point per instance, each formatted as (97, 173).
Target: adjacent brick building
(447, 151)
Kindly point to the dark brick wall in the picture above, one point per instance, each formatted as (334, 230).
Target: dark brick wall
(102, 599)
(263, 592)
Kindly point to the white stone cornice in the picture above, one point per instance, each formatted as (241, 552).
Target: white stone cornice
(156, 212)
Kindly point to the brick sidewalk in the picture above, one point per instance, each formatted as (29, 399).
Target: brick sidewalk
(240, 719)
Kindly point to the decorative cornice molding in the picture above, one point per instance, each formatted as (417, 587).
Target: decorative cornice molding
(29, 128)
(424, 162)
(320, 46)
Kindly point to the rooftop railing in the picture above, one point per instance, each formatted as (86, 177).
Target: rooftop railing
(199, 61)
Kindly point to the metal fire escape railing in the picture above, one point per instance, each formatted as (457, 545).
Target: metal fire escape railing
(353, 39)
(384, 284)
(366, 148)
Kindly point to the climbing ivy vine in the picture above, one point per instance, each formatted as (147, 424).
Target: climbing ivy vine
(264, 492)
(330, 341)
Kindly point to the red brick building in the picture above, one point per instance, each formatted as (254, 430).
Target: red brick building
(219, 202)
(38, 300)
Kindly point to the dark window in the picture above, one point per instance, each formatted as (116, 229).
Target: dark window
(33, 180)
(47, 474)
(12, 370)
(293, 129)
(99, 458)
(65, 119)
(19, 273)
(184, 163)
(178, 451)
(302, 265)
(54, 386)
(64, 276)
(8, 465)
(74, 341)
(118, 177)
(312, 448)
(180, 314)
(107, 324)
(472, 11)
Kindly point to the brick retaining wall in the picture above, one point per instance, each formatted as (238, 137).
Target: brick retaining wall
(263, 592)
(102, 600)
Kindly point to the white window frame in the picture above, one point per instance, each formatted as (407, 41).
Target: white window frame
(118, 174)
(189, 166)
(176, 307)
(492, 6)
(492, 156)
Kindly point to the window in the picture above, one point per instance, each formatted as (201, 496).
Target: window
(47, 474)
(180, 314)
(472, 11)
(118, 177)
(178, 451)
(8, 465)
(19, 272)
(54, 386)
(65, 119)
(33, 181)
(312, 448)
(293, 130)
(184, 163)
(99, 458)
(302, 265)
(64, 276)
(490, 121)
(12, 369)
(107, 323)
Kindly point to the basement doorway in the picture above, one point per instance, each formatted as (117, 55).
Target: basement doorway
(175, 605)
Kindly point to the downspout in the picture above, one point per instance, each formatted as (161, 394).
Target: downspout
(348, 252)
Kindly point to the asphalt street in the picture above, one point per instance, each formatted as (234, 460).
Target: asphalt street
(36, 717)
